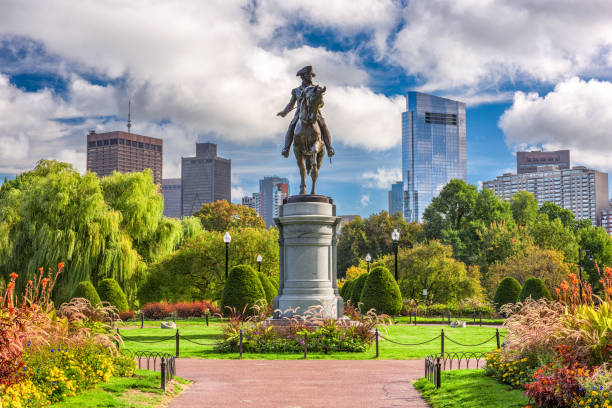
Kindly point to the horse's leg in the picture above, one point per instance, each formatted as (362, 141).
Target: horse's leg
(300, 162)
(316, 166)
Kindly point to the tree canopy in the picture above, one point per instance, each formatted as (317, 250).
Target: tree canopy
(224, 216)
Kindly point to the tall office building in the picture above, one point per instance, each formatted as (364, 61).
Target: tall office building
(580, 190)
(272, 191)
(528, 162)
(433, 149)
(396, 198)
(125, 153)
(171, 190)
(253, 202)
(205, 178)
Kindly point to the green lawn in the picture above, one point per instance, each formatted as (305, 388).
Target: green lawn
(466, 389)
(438, 319)
(399, 333)
(141, 391)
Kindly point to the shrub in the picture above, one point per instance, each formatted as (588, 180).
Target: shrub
(110, 291)
(86, 290)
(535, 288)
(156, 310)
(194, 309)
(268, 288)
(347, 290)
(357, 289)
(381, 292)
(127, 315)
(242, 291)
(507, 291)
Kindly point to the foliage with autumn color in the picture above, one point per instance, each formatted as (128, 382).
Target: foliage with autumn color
(224, 216)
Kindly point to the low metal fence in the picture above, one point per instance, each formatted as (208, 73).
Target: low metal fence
(165, 361)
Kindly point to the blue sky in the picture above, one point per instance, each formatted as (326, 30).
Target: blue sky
(533, 76)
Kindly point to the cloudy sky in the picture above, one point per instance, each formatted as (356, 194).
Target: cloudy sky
(534, 74)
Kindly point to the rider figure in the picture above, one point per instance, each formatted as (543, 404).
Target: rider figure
(296, 96)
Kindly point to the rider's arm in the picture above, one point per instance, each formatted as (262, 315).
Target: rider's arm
(290, 106)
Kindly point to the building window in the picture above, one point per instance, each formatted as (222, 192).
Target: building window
(141, 145)
(147, 146)
(106, 142)
(113, 141)
(128, 143)
(91, 144)
(121, 141)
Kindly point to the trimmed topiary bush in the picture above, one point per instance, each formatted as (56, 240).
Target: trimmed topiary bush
(507, 291)
(86, 290)
(110, 291)
(268, 288)
(381, 293)
(345, 292)
(242, 291)
(535, 288)
(357, 289)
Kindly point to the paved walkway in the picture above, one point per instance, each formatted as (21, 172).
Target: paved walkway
(300, 384)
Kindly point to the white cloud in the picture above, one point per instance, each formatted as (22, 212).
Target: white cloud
(467, 44)
(382, 178)
(237, 193)
(576, 115)
(365, 200)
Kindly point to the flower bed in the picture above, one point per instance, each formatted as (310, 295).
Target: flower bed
(559, 352)
(321, 335)
(162, 310)
(46, 354)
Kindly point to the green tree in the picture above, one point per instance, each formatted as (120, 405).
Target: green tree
(224, 216)
(242, 291)
(599, 243)
(553, 234)
(54, 214)
(507, 291)
(450, 210)
(201, 262)
(431, 266)
(545, 264)
(268, 287)
(381, 293)
(524, 208)
(357, 289)
(535, 288)
(110, 291)
(554, 211)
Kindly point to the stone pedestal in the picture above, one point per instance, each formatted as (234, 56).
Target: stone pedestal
(307, 237)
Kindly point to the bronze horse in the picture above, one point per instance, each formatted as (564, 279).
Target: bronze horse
(308, 146)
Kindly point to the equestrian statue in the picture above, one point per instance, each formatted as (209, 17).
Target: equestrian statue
(307, 130)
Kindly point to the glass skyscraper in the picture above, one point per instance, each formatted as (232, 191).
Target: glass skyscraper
(433, 149)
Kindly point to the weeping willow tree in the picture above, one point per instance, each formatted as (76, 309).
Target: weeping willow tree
(108, 228)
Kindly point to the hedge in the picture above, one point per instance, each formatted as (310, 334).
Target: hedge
(110, 291)
(381, 293)
(242, 291)
(357, 289)
(535, 288)
(507, 291)
(268, 288)
(86, 290)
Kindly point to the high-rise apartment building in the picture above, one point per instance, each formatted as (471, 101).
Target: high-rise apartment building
(396, 198)
(272, 192)
(433, 149)
(605, 219)
(528, 162)
(253, 202)
(171, 190)
(205, 178)
(580, 190)
(125, 153)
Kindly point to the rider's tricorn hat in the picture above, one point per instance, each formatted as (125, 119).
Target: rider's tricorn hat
(306, 70)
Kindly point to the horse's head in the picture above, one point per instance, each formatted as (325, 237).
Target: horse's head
(313, 101)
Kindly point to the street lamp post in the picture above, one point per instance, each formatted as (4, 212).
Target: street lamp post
(424, 294)
(227, 238)
(395, 237)
(368, 260)
(259, 258)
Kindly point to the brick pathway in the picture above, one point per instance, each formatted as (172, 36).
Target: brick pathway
(300, 384)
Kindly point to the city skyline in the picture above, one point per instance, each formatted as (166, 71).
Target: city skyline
(57, 86)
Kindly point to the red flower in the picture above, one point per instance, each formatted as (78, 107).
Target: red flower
(60, 265)
(564, 285)
(40, 269)
(14, 275)
(608, 271)
(45, 281)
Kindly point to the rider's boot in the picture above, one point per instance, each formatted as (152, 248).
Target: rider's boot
(326, 136)
(288, 141)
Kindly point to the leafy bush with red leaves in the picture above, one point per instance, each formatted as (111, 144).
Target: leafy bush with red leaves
(156, 310)
(127, 315)
(161, 310)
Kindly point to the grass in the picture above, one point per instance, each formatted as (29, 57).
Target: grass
(141, 391)
(439, 319)
(400, 333)
(466, 389)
